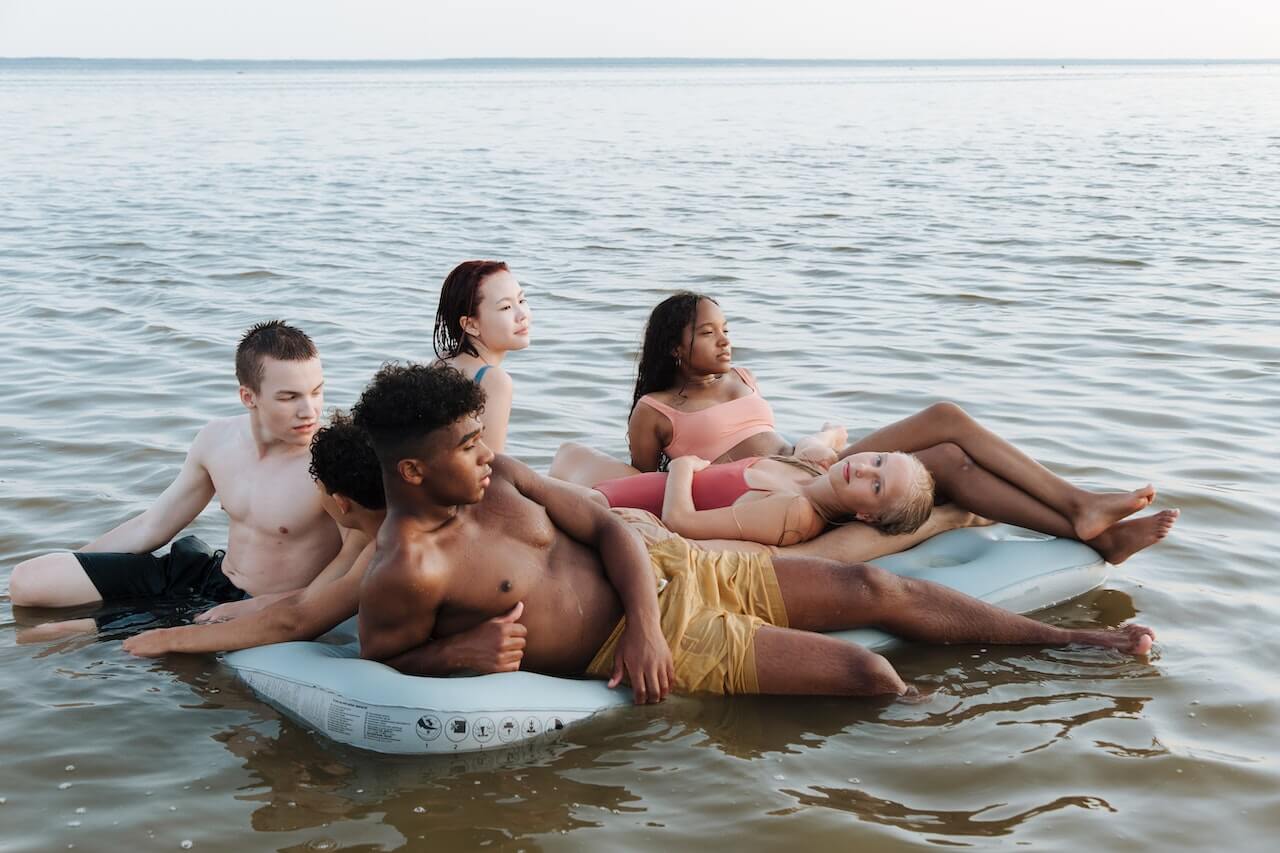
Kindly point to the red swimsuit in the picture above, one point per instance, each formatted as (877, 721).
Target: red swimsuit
(714, 487)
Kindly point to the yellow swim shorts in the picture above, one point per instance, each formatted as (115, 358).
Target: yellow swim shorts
(712, 603)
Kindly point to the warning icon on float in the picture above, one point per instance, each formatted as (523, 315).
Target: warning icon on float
(555, 724)
(456, 728)
(508, 729)
(483, 730)
(428, 727)
(532, 726)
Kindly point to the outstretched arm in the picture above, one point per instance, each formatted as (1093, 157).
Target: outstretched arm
(357, 548)
(643, 655)
(301, 615)
(493, 646)
(177, 506)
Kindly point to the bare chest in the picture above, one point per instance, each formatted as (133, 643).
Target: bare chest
(274, 496)
(507, 556)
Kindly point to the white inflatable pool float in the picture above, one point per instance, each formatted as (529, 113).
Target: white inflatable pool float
(325, 685)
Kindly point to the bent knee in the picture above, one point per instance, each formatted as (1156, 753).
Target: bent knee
(872, 675)
(949, 454)
(566, 456)
(51, 580)
(570, 448)
(24, 583)
(871, 582)
(948, 411)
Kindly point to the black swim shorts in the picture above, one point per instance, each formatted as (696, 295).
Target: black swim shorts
(191, 569)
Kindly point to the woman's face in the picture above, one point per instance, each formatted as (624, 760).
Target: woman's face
(867, 483)
(502, 319)
(706, 348)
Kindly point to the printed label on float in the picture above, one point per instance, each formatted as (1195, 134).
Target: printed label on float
(406, 730)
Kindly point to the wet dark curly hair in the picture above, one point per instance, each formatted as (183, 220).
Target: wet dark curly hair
(343, 460)
(663, 334)
(406, 402)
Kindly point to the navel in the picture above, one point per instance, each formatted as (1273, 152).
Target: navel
(505, 586)
(284, 531)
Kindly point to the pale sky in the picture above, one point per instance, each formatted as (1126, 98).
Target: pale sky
(836, 29)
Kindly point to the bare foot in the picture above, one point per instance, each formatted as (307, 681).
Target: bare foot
(1130, 639)
(1121, 541)
(1101, 511)
(838, 434)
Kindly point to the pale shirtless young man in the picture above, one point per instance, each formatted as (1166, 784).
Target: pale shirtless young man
(349, 482)
(279, 536)
(469, 535)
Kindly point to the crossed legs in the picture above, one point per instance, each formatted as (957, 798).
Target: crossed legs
(983, 473)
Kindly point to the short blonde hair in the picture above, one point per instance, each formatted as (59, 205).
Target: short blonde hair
(912, 509)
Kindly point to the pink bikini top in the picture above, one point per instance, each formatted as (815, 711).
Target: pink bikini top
(714, 431)
(714, 487)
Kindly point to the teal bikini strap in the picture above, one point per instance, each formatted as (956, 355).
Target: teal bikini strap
(480, 374)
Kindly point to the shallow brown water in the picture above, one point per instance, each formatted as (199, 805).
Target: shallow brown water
(1085, 258)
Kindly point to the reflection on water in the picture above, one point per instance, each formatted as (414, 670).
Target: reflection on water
(937, 822)
(1085, 258)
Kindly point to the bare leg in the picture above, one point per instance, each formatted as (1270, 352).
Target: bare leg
(960, 479)
(586, 466)
(1089, 513)
(824, 596)
(49, 632)
(52, 580)
(803, 663)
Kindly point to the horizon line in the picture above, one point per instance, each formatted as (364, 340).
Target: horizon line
(690, 59)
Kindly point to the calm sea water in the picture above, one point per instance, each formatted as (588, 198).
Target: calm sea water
(1085, 257)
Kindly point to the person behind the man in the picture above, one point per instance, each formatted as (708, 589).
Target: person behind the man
(279, 537)
(349, 481)
(468, 535)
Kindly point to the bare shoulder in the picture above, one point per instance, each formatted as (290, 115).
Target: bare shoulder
(666, 397)
(218, 435)
(801, 521)
(512, 477)
(496, 379)
(404, 567)
(507, 470)
(744, 377)
(647, 417)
